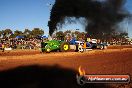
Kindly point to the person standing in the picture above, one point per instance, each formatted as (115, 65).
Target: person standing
(3, 47)
(42, 46)
(84, 47)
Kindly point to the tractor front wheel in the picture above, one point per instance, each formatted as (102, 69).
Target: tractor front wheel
(101, 47)
(48, 50)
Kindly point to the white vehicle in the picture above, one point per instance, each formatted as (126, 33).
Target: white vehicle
(93, 40)
(79, 42)
(80, 46)
(130, 43)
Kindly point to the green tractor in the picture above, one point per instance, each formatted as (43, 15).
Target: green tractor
(55, 45)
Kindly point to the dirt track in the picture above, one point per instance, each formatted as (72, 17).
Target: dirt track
(99, 61)
(114, 60)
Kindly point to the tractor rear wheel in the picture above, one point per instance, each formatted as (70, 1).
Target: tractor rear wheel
(64, 47)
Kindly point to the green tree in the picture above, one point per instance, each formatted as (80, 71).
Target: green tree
(83, 35)
(124, 35)
(27, 33)
(37, 32)
(67, 32)
(6, 32)
(77, 32)
(18, 33)
(60, 35)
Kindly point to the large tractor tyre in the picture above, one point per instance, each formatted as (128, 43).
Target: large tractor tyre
(64, 47)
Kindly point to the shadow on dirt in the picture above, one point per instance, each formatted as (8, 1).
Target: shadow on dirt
(42, 77)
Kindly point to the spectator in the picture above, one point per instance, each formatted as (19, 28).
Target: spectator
(84, 47)
(3, 47)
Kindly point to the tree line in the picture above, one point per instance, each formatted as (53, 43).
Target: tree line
(62, 35)
(26, 33)
(118, 36)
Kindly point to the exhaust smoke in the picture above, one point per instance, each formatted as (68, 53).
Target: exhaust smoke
(101, 16)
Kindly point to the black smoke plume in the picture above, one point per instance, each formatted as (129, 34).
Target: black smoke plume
(101, 15)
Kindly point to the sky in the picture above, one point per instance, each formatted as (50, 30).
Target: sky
(29, 14)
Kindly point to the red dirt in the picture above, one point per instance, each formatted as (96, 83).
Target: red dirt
(115, 60)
